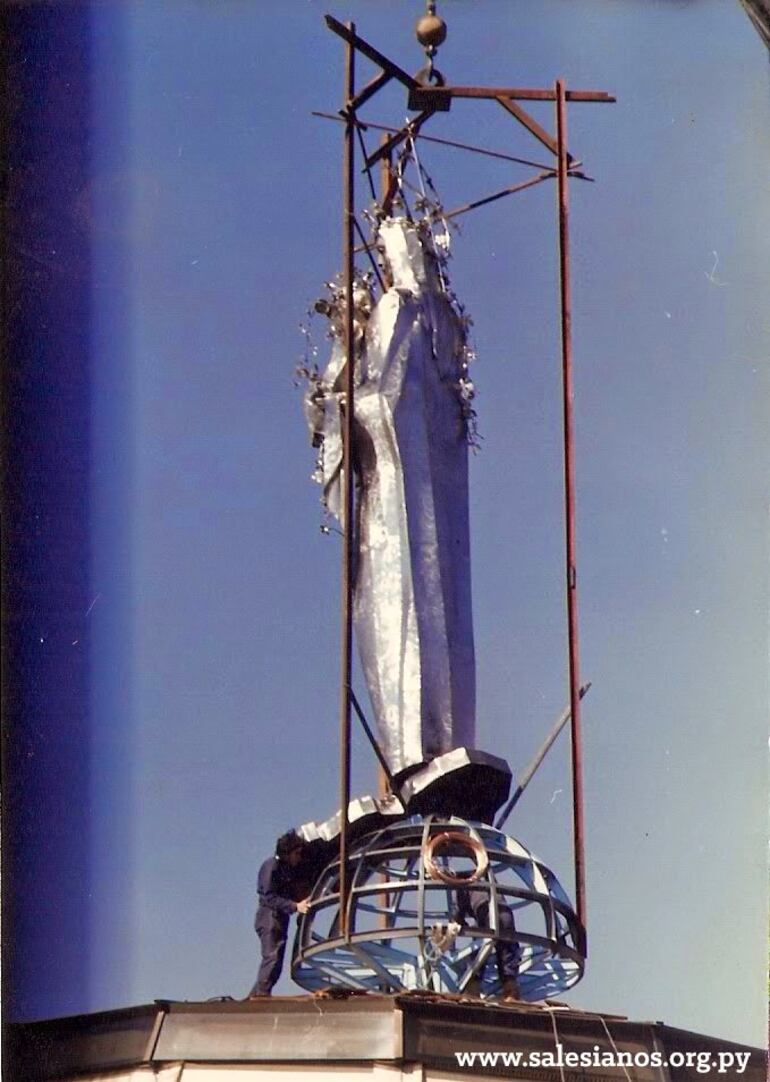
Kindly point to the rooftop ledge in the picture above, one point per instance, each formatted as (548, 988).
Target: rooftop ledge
(318, 1031)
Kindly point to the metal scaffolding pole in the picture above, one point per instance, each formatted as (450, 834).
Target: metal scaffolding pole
(569, 496)
(529, 773)
(347, 466)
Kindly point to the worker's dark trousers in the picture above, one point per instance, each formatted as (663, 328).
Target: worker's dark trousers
(273, 934)
(508, 955)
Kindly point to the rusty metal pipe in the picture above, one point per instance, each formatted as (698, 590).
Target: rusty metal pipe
(347, 466)
(569, 497)
(547, 175)
(387, 782)
(531, 770)
(520, 93)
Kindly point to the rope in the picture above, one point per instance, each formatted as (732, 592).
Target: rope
(615, 1049)
(442, 938)
(556, 1041)
(466, 841)
(421, 176)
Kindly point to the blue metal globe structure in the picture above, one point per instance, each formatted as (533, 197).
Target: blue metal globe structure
(405, 924)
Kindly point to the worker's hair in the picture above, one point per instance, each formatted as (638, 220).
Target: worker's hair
(287, 842)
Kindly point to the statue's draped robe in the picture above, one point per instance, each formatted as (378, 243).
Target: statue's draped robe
(412, 590)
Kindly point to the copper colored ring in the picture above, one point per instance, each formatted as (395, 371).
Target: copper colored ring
(455, 836)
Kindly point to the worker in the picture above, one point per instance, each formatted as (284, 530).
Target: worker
(475, 904)
(281, 891)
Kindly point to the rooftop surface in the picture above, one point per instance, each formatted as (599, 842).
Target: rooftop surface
(357, 1029)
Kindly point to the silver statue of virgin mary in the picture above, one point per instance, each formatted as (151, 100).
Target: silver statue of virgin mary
(412, 579)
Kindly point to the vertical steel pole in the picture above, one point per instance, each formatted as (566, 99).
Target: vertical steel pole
(569, 499)
(347, 466)
(385, 170)
(384, 787)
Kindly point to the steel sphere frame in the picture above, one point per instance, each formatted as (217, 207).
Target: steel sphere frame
(401, 928)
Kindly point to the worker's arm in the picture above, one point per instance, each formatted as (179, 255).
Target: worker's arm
(268, 895)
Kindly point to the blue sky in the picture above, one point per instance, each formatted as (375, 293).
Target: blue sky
(215, 219)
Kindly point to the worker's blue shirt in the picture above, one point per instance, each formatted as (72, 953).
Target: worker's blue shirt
(276, 883)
